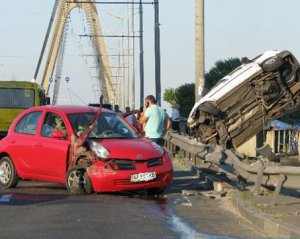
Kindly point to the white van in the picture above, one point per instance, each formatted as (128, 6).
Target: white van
(244, 101)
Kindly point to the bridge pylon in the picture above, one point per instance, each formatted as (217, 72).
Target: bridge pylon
(63, 9)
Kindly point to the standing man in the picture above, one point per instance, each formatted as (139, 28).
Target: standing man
(127, 109)
(156, 120)
(175, 116)
(117, 110)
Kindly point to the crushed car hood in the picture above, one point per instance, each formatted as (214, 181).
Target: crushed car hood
(136, 149)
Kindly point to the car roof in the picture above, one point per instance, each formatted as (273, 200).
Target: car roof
(70, 109)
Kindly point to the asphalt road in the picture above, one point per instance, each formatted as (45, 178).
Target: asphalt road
(39, 210)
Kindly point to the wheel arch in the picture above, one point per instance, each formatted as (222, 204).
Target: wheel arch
(12, 178)
(4, 154)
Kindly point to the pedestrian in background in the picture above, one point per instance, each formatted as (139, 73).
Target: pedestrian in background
(175, 117)
(156, 119)
(117, 110)
(127, 109)
(141, 109)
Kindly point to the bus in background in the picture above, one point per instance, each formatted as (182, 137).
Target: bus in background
(16, 96)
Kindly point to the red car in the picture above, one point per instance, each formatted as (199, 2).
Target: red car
(88, 149)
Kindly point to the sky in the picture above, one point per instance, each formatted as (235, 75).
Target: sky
(233, 28)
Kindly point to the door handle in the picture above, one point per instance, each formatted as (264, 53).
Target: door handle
(37, 145)
(13, 141)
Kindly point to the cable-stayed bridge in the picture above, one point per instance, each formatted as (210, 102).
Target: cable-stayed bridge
(53, 52)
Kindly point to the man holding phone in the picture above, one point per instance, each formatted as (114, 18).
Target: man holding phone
(156, 119)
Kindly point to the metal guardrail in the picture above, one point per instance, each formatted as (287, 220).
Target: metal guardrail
(259, 172)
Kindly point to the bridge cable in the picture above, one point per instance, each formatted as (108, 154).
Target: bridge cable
(46, 38)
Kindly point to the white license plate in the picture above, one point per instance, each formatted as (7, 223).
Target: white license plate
(142, 177)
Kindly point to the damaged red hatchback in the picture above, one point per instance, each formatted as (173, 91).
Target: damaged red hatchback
(88, 149)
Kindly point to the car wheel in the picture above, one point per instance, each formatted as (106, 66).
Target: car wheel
(287, 74)
(272, 63)
(8, 174)
(156, 191)
(77, 181)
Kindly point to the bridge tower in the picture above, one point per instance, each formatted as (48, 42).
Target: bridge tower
(62, 11)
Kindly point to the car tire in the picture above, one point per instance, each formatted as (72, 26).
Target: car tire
(272, 64)
(290, 77)
(77, 181)
(156, 191)
(8, 173)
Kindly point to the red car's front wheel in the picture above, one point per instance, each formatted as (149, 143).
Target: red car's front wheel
(77, 180)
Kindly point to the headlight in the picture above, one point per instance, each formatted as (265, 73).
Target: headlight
(98, 149)
(159, 148)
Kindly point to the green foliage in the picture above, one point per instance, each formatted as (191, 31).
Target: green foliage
(221, 69)
(247, 196)
(169, 96)
(292, 118)
(185, 95)
(180, 158)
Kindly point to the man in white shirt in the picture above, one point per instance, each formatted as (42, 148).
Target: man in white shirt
(175, 116)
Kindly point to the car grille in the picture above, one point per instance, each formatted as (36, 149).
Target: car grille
(154, 162)
(122, 164)
(127, 164)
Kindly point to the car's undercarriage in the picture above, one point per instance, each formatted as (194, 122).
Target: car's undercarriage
(244, 111)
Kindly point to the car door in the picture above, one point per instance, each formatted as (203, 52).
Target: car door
(51, 153)
(22, 143)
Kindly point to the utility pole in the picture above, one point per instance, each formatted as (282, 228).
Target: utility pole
(141, 55)
(199, 44)
(128, 58)
(123, 73)
(133, 63)
(157, 51)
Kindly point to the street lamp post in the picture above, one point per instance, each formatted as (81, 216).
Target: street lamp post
(133, 58)
(141, 55)
(157, 51)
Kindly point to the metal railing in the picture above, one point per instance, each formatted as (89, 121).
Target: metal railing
(259, 172)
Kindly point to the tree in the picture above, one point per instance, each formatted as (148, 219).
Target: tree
(291, 118)
(169, 96)
(185, 96)
(221, 69)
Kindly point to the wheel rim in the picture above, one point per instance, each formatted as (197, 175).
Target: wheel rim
(5, 172)
(76, 180)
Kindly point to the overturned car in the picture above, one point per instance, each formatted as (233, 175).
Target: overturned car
(238, 107)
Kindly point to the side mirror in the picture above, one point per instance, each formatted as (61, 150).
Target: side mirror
(57, 134)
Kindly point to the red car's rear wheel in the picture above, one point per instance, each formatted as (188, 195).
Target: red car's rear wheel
(8, 174)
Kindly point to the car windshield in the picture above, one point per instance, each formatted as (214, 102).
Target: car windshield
(108, 125)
